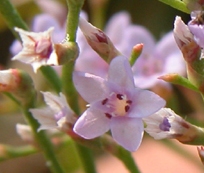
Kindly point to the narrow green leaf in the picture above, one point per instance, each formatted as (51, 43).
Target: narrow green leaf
(177, 4)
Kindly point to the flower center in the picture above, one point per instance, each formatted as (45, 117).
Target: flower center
(165, 125)
(117, 104)
(43, 48)
(61, 114)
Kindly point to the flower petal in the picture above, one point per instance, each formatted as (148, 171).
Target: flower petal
(90, 87)
(167, 46)
(45, 117)
(56, 103)
(128, 132)
(198, 32)
(92, 124)
(120, 72)
(117, 25)
(145, 103)
(136, 34)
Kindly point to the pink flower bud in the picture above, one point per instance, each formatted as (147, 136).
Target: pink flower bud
(98, 40)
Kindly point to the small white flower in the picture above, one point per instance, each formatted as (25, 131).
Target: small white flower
(164, 124)
(57, 114)
(37, 49)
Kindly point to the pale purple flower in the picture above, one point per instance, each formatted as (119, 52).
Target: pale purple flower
(164, 124)
(57, 114)
(38, 49)
(115, 104)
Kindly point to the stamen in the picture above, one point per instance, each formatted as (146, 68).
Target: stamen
(104, 101)
(120, 96)
(127, 108)
(108, 115)
(129, 101)
(165, 125)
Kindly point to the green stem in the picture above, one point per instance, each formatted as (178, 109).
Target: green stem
(86, 157)
(52, 77)
(68, 86)
(74, 7)
(44, 143)
(12, 98)
(126, 157)
(12, 17)
(10, 152)
(177, 4)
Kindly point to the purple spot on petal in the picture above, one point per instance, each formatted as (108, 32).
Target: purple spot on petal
(108, 115)
(127, 108)
(119, 96)
(165, 125)
(129, 101)
(101, 37)
(104, 101)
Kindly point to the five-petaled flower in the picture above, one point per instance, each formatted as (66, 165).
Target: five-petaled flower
(116, 104)
(57, 114)
(38, 49)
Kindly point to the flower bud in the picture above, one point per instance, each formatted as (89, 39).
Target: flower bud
(136, 52)
(175, 78)
(66, 51)
(98, 40)
(18, 83)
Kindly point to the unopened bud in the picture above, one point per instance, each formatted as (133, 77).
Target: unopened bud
(19, 83)
(66, 52)
(136, 52)
(175, 78)
(98, 40)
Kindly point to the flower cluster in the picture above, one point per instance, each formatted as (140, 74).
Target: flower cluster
(115, 103)
(112, 85)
